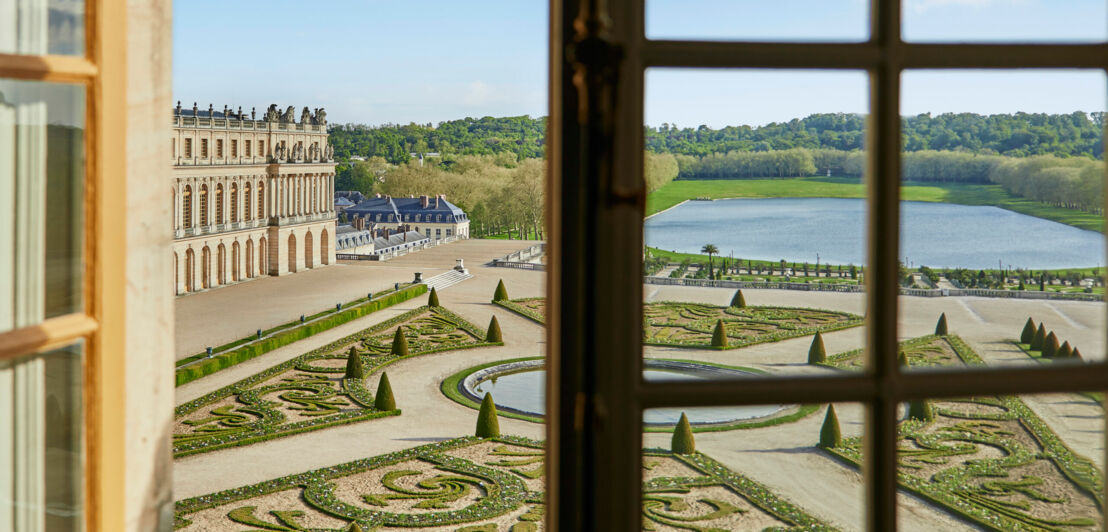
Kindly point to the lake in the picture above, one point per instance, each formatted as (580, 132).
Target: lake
(933, 234)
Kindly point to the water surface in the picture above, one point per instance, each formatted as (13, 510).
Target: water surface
(525, 391)
(939, 235)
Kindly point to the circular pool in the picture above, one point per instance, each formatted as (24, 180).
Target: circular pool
(520, 387)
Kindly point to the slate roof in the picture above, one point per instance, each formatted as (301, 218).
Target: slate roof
(343, 202)
(407, 210)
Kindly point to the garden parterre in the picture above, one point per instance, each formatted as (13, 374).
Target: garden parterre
(473, 484)
(309, 392)
(990, 460)
(680, 324)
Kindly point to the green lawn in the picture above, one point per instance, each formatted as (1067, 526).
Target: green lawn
(844, 187)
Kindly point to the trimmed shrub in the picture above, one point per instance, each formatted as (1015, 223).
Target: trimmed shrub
(1037, 340)
(1076, 354)
(719, 335)
(902, 359)
(384, 401)
(829, 434)
(494, 334)
(940, 327)
(354, 527)
(354, 368)
(1065, 351)
(501, 293)
(399, 343)
(488, 426)
(1028, 332)
(738, 301)
(683, 442)
(1050, 346)
(817, 353)
(920, 410)
(433, 298)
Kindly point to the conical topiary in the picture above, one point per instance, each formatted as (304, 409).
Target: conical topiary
(354, 369)
(1037, 340)
(719, 335)
(354, 527)
(817, 352)
(683, 442)
(829, 434)
(1065, 351)
(433, 298)
(488, 426)
(384, 400)
(399, 343)
(1050, 346)
(1028, 332)
(902, 359)
(940, 327)
(920, 410)
(738, 301)
(501, 293)
(1076, 354)
(494, 334)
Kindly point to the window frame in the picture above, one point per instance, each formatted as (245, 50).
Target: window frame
(102, 322)
(598, 57)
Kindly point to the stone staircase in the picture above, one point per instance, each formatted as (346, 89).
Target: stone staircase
(446, 280)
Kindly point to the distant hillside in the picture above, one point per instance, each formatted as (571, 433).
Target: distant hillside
(1015, 135)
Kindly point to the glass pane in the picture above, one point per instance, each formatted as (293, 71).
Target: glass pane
(1005, 20)
(41, 200)
(39, 27)
(1032, 462)
(41, 442)
(795, 473)
(1002, 217)
(755, 238)
(755, 20)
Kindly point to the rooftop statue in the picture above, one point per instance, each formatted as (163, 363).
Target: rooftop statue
(272, 114)
(290, 115)
(305, 116)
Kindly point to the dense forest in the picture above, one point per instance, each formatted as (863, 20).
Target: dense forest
(1016, 135)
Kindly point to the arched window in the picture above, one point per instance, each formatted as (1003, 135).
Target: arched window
(261, 200)
(234, 203)
(203, 205)
(219, 204)
(417, 217)
(186, 207)
(246, 212)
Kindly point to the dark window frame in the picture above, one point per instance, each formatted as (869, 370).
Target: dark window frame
(598, 57)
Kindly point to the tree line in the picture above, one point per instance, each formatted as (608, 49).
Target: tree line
(1016, 135)
(1069, 182)
(500, 194)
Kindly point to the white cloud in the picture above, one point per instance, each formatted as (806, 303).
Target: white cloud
(477, 93)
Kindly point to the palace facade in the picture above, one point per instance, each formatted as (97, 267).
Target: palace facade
(251, 196)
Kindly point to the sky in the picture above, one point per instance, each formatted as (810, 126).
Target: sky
(427, 61)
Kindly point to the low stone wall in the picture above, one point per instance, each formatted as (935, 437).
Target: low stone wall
(828, 287)
(521, 259)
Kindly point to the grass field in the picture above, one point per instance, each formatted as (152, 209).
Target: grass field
(845, 187)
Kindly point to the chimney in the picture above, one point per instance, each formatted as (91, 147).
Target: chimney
(437, 200)
(424, 201)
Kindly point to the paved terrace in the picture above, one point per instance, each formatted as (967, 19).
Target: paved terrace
(781, 457)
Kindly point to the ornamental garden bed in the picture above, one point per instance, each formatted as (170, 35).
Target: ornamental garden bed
(310, 392)
(479, 485)
(678, 324)
(990, 460)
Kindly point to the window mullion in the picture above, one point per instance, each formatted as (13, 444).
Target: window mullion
(883, 231)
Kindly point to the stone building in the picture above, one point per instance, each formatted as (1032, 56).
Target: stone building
(434, 217)
(251, 196)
